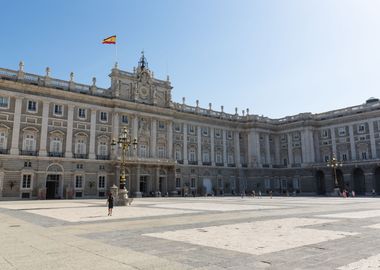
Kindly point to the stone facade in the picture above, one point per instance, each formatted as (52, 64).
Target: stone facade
(55, 142)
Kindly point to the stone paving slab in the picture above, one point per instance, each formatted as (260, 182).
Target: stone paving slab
(192, 233)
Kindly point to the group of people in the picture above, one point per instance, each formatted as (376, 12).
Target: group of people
(346, 193)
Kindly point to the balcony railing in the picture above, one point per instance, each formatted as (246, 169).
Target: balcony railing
(55, 154)
(219, 164)
(82, 156)
(244, 165)
(231, 165)
(28, 153)
(180, 161)
(103, 157)
(206, 163)
(4, 151)
(193, 162)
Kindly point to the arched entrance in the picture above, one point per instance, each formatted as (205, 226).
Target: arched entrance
(376, 185)
(359, 181)
(321, 184)
(54, 183)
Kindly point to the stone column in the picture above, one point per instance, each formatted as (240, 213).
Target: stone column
(199, 139)
(16, 127)
(170, 140)
(153, 139)
(69, 131)
(267, 149)
(237, 149)
(225, 148)
(137, 192)
(250, 149)
(185, 162)
(372, 139)
(212, 138)
(115, 132)
(277, 149)
(333, 141)
(352, 142)
(92, 134)
(135, 128)
(44, 129)
(157, 178)
(290, 150)
(254, 155)
(308, 155)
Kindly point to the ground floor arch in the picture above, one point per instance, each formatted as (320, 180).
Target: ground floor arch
(321, 182)
(359, 181)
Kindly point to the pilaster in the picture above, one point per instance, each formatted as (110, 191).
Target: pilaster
(170, 140)
(69, 131)
(92, 134)
(372, 139)
(44, 129)
(237, 149)
(153, 139)
(212, 141)
(185, 159)
(199, 140)
(290, 150)
(16, 127)
(352, 142)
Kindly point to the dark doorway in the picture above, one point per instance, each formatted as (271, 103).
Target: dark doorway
(377, 180)
(340, 180)
(52, 184)
(321, 184)
(359, 181)
(160, 181)
(143, 184)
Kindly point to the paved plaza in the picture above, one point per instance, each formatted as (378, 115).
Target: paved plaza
(192, 233)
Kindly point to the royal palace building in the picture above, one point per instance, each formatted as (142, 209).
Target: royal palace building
(55, 142)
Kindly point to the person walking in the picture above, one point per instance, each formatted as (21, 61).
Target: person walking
(110, 204)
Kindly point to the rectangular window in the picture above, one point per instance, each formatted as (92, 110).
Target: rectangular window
(344, 157)
(27, 164)
(177, 127)
(78, 181)
(101, 167)
(327, 158)
(161, 152)
(364, 155)
(296, 183)
(4, 102)
(267, 183)
(102, 182)
(143, 150)
(191, 129)
(124, 119)
(58, 109)
(192, 182)
(103, 116)
(205, 131)
(342, 131)
(229, 134)
(217, 133)
(81, 113)
(361, 128)
(178, 182)
(80, 166)
(161, 124)
(26, 180)
(206, 156)
(32, 106)
(325, 133)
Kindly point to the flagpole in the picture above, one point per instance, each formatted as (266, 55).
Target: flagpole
(116, 52)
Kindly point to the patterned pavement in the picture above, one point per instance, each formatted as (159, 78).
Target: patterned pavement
(192, 233)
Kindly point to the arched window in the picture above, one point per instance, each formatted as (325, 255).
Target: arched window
(178, 153)
(102, 148)
(56, 144)
(80, 146)
(143, 150)
(161, 151)
(192, 156)
(218, 156)
(206, 156)
(29, 142)
(3, 139)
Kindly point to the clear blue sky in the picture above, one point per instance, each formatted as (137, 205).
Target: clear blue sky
(275, 57)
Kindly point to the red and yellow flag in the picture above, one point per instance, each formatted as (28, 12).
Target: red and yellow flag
(110, 40)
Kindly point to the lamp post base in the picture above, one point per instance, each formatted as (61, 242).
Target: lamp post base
(336, 192)
(122, 199)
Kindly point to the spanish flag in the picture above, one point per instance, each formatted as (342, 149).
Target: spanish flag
(110, 40)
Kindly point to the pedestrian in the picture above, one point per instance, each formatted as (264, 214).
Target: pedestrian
(270, 193)
(253, 193)
(373, 192)
(260, 194)
(110, 204)
(353, 193)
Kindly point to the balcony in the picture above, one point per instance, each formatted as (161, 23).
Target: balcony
(180, 161)
(219, 164)
(82, 156)
(206, 163)
(296, 165)
(102, 157)
(55, 154)
(231, 165)
(28, 153)
(266, 166)
(4, 151)
(244, 165)
(193, 162)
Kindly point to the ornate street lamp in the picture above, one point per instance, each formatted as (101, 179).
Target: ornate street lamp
(123, 142)
(334, 163)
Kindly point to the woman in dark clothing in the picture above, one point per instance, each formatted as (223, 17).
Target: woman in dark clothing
(110, 204)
